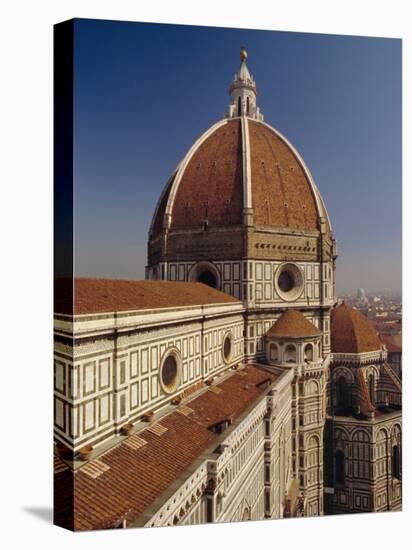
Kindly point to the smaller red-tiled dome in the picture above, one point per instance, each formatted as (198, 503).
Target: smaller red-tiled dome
(292, 324)
(352, 332)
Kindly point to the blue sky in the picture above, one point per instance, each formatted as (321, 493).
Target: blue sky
(145, 92)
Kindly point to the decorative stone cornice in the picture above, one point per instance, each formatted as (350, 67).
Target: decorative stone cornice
(359, 358)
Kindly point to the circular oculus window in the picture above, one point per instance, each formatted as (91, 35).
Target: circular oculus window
(169, 373)
(207, 278)
(227, 348)
(289, 282)
(206, 273)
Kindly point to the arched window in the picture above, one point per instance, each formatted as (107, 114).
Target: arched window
(341, 395)
(290, 354)
(339, 467)
(273, 355)
(371, 386)
(247, 106)
(396, 462)
(239, 106)
(308, 352)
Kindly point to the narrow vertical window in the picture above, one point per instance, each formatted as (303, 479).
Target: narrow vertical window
(122, 405)
(247, 106)
(339, 467)
(342, 396)
(290, 354)
(371, 384)
(239, 106)
(396, 463)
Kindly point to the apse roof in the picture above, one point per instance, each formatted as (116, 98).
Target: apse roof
(352, 332)
(293, 324)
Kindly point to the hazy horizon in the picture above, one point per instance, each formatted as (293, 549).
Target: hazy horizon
(145, 92)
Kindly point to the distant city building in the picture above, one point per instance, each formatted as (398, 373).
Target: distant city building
(249, 396)
(361, 295)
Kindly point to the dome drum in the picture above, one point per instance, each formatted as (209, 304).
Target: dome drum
(292, 352)
(192, 246)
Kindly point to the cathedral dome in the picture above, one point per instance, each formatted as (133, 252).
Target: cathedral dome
(352, 332)
(241, 164)
(241, 171)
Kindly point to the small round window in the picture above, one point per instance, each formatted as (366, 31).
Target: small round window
(227, 348)
(285, 281)
(169, 373)
(289, 282)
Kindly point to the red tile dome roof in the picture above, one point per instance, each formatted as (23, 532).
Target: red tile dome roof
(293, 324)
(240, 163)
(352, 332)
(282, 194)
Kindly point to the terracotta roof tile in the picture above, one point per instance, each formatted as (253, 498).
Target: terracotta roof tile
(212, 183)
(112, 295)
(136, 477)
(352, 332)
(281, 192)
(293, 324)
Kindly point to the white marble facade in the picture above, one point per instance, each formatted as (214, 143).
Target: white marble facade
(111, 375)
(254, 281)
(252, 471)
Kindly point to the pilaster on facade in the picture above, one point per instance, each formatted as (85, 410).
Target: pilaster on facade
(307, 430)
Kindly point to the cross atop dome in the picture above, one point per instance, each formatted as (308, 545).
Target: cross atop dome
(243, 92)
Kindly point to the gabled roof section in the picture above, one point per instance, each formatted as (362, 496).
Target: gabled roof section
(114, 295)
(293, 324)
